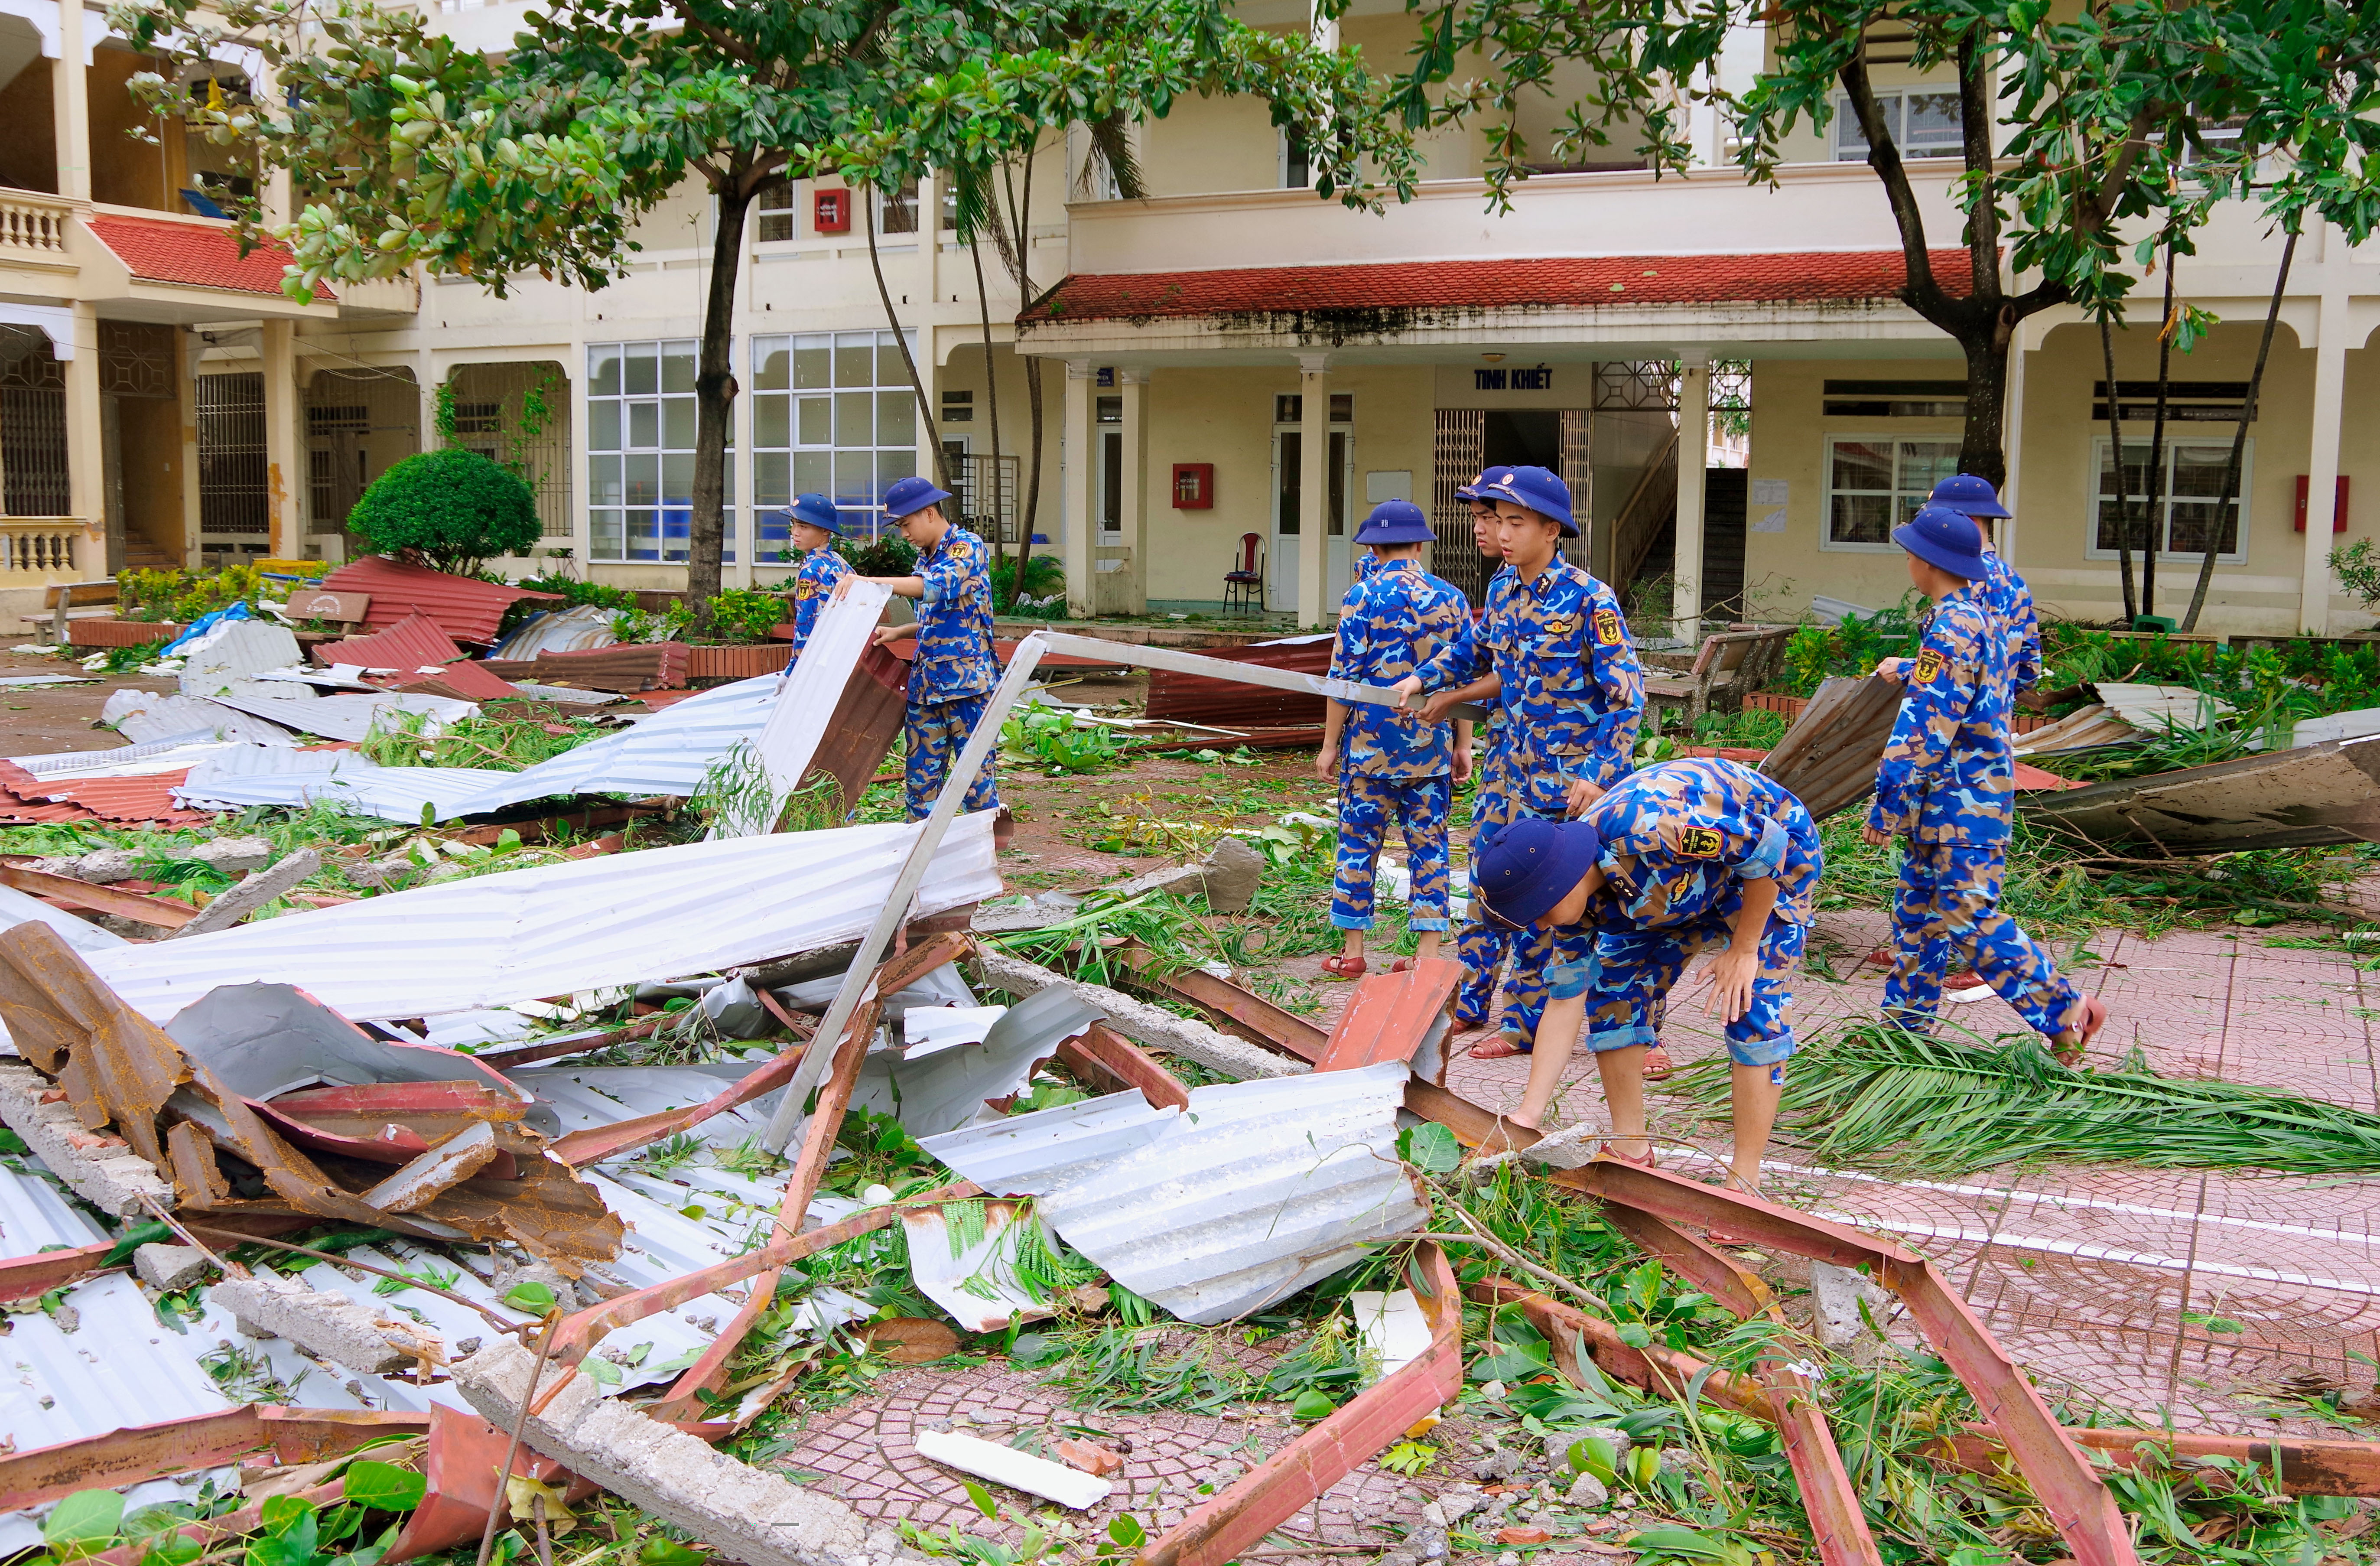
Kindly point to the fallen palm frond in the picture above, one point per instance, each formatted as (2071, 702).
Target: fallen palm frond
(1880, 1098)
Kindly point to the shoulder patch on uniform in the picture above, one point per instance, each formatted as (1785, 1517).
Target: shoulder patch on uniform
(1700, 842)
(1606, 626)
(1930, 665)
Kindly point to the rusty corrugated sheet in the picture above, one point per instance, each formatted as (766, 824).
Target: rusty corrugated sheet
(412, 643)
(145, 798)
(866, 723)
(1196, 699)
(2324, 793)
(464, 679)
(627, 666)
(1828, 757)
(1391, 1015)
(465, 608)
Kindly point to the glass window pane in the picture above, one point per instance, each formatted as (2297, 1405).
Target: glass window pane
(677, 423)
(605, 537)
(770, 486)
(644, 477)
(773, 363)
(854, 479)
(774, 227)
(1924, 464)
(892, 466)
(896, 419)
(677, 366)
(813, 364)
(817, 421)
(641, 373)
(1862, 519)
(644, 426)
(768, 421)
(813, 472)
(1862, 464)
(604, 370)
(1931, 126)
(1108, 410)
(602, 426)
(644, 536)
(855, 358)
(604, 481)
(2198, 470)
(677, 478)
(854, 419)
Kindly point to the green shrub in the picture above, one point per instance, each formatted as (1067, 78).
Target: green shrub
(450, 509)
(891, 555)
(1045, 581)
(743, 616)
(183, 596)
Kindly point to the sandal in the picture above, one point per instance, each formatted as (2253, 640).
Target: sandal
(1618, 1157)
(1502, 1046)
(1658, 1063)
(1403, 965)
(1343, 966)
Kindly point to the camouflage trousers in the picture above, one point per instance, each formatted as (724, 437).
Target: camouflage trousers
(1484, 943)
(1368, 805)
(1944, 916)
(1626, 976)
(934, 732)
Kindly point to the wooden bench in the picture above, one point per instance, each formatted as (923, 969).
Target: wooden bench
(62, 599)
(1727, 666)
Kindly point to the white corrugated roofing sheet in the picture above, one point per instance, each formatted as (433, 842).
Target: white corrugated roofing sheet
(35, 1215)
(1255, 1191)
(659, 914)
(16, 907)
(813, 689)
(352, 717)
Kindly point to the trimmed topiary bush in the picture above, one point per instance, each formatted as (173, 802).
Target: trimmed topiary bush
(451, 509)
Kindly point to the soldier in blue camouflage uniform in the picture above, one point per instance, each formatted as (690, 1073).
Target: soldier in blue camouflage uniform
(1947, 785)
(2001, 591)
(1484, 944)
(813, 527)
(955, 667)
(1674, 860)
(1554, 650)
(1392, 766)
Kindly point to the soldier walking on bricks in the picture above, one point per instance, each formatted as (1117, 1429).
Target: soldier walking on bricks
(1392, 765)
(813, 525)
(955, 667)
(1553, 650)
(1945, 785)
(1677, 859)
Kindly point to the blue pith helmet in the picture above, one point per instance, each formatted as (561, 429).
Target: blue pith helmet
(910, 495)
(1943, 537)
(1533, 864)
(818, 512)
(1395, 522)
(1540, 488)
(1470, 490)
(1969, 496)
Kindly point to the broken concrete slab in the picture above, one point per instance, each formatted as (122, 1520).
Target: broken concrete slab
(1837, 1295)
(452, 1162)
(102, 1170)
(258, 887)
(1152, 1027)
(1228, 877)
(106, 866)
(759, 1519)
(233, 855)
(330, 1325)
(170, 1269)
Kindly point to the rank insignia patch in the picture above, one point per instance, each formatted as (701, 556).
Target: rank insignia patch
(1699, 843)
(1929, 666)
(1606, 626)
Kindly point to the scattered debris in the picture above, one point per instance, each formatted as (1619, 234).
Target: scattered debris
(1018, 1470)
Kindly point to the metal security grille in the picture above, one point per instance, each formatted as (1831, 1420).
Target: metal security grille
(1462, 449)
(1578, 472)
(986, 493)
(232, 499)
(32, 425)
(1645, 384)
(359, 423)
(493, 416)
(136, 359)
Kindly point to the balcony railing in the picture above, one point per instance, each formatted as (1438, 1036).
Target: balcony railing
(39, 546)
(33, 225)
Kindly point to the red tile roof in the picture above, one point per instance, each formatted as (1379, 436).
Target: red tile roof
(1580, 281)
(465, 608)
(200, 255)
(411, 644)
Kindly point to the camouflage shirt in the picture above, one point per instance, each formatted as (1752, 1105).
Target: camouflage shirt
(954, 652)
(814, 583)
(1948, 775)
(1681, 838)
(2007, 599)
(1392, 620)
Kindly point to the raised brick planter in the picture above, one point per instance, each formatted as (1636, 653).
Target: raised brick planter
(739, 662)
(120, 633)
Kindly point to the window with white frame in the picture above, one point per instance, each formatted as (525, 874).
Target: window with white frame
(896, 210)
(1297, 168)
(1923, 122)
(772, 213)
(832, 414)
(1873, 484)
(641, 452)
(2189, 507)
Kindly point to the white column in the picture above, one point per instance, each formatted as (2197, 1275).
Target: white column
(2003, 533)
(1133, 504)
(70, 108)
(1323, 29)
(86, 459)
(1313, 486)
(1693, 459)
(1077, 533)
(189, 346)
(2322, 461)
(282, 467)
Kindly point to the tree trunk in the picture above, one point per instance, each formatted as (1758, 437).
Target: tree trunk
(2155, 543)
(2240, 441)
(908, 359)
(2123, 484)
(1981, 451)
(714, 401)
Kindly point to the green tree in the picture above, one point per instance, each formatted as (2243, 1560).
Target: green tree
(406, 149)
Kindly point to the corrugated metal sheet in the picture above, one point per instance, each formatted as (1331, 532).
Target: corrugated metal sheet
(1197, 699)
(567, 697)
(407, 646)
(351, 717)
(1255, 1190)
(1828, 757)
(582, 629)
(230, 656)
(463, 679)
(465, 608)
(138, 798)
(661, 913)
(2084, 729)
(630, 666)
(2155, 708)
(802, 713)
(2324, 793)
(152, 718)
(35, 1216)
(117, 1366)
(81, 934)
(346, 778)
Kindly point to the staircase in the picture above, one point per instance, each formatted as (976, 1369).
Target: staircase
(141, 554)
